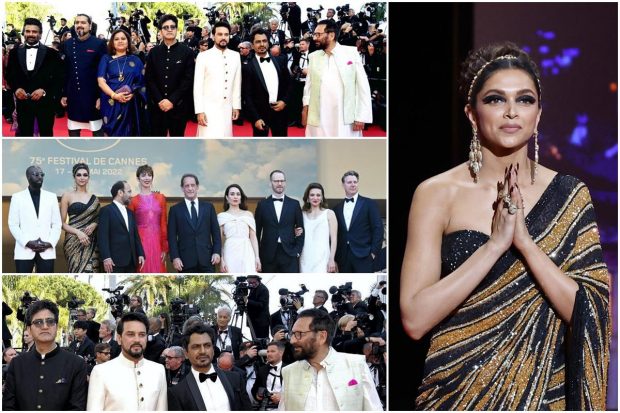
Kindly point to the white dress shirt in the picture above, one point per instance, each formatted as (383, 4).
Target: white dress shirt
(31, 57)
(278, 206)
(123, 209)
(274, 379)
(213, 393)
(188, 204)
(271, 78)
(347, 210)
(222, 340)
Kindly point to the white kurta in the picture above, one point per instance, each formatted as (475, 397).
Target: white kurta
(120, 384)
(217, 90)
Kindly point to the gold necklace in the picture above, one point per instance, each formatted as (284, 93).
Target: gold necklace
(120, 71)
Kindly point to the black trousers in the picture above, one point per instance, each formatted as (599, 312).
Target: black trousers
(199, 269)
(126, 269)
(350, 263)
(28, 111)
(282, 262)
(26, 266)
(77, 132)
(277, 122)
(172, 122)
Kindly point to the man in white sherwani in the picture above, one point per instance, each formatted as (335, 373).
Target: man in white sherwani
(217, 86)
(129, 382)
(336, 100)
(322, 379)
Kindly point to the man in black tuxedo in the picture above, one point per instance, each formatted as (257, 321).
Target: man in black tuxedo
(227, 337)
(35, 73)
(282, 318)
(82, 345)
(319, 299)
(276, 36)
(193, 231)
(294, 19)
(360, 228)
(257, 303)
(155, 343)
(93, 326)
(269, 376)
(222, 390)
(120, 248)
(106, 335)
(265, 88)
(277, 217)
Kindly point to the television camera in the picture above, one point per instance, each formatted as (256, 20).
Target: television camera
(287, 298)
(211, 14)
(157, 18)
(117, 301)
(240, 291)
(314, 14)
(181, 311)
(73, 305)
(52, 21)
(25, 301)
(339, 296)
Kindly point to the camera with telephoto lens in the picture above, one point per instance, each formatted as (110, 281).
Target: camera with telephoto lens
(314, 14)
(211, 14)
(343, 12)
(74, 303)
(265, 402)
(364, 322)
(287, 297)
(117, 301)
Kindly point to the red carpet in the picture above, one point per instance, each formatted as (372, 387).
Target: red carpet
(60, 130)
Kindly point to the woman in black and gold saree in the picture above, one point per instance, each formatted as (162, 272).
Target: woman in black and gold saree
(503, 265)
(82, 208)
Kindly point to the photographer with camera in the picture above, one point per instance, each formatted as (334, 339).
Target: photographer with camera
(93, 326)
(63, 28)
(106, 335)
(268, 385)
(139, 22)
(294, 19)
(227, 337)
(135, 304)
(155, 343)
(257, 302)
(47, 378)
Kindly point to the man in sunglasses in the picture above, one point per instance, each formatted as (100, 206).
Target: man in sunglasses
(34, 221)
(48, 378)
(169, 77)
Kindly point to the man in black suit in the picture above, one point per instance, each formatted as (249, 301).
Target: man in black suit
(276, 36)
(119, 243)
(193, 231)
(277, 217)
(35, 73)
(282, 318)
(257, 303)
(222, 390)
(319, 299)
(360, 229)
(93, 326)
(82, 345)
(294, 19)
(269, 376)
(155, 343)
(265, 88)
(106, 335)
(359, 306)
(227, 337)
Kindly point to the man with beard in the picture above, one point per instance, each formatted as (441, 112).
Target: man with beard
(336, 98)
(129, 382)
(120, 248)
(266, 84)
(81, 92)
(317, 380)
(217, 86)
(206, 388)
(169, 75)
(35, 73)
(47, 378)
(34, 221)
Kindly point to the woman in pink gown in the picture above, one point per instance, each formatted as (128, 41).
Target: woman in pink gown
(151, 217)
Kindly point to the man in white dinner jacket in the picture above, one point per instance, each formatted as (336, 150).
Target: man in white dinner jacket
(34, 222)
(129, 382)
(323, 379)
(217, 86)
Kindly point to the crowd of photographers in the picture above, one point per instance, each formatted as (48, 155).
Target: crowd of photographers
(289, 37)
(258, 357)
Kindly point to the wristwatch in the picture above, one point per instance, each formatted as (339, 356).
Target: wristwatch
(44, 93)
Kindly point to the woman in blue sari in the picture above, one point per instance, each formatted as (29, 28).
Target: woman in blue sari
(121, 80)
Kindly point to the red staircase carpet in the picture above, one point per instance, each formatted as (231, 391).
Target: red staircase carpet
(60, 130)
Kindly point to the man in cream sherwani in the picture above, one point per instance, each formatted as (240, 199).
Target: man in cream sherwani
(336, 101)
(34, 222)
(323, 379)
(217, 86)
(129, 382)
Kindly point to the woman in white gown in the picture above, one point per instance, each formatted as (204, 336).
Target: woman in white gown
(238, 230)
(321, 230)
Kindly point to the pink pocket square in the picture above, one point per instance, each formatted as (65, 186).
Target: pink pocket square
(349, 62)
(352, 382)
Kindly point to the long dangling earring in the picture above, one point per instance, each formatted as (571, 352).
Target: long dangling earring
(535, 168)
(475, 155)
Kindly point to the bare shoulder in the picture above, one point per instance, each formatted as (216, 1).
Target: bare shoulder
(441, 188)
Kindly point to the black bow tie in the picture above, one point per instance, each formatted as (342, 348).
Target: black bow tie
(36, 46)
(204, 376)
(349, 200)
(273, 368)
(224, 332)
(265, 59)
(278, 199)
